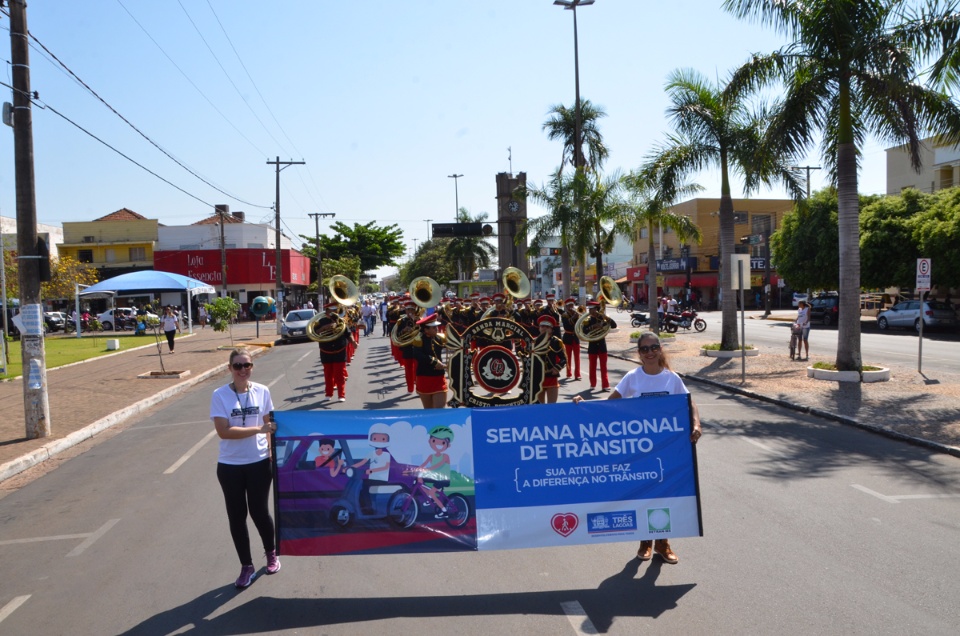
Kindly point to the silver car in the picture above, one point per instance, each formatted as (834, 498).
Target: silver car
(906, 314)
(294, 325)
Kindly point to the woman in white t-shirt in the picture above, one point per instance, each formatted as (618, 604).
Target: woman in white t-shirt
(803, 322)
(654, 377)
(170, 325)
(241, 414)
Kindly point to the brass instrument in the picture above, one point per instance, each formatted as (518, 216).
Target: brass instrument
(609, 294)
(345, 292)
(516, 284)
(425, 292)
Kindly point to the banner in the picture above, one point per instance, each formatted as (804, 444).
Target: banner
(376, 482)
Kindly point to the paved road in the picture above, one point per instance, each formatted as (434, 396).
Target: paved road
(810, 527)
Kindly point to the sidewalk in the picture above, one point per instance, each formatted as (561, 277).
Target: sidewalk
(918, 409)
(90, 396)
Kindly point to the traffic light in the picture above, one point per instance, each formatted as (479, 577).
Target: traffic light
(554, 251)
(442, 230)
(43, 253)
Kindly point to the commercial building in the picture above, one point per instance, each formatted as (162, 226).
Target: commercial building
(940, 169)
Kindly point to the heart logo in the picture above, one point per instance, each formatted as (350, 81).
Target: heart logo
(564, 523)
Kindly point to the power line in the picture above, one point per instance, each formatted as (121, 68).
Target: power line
(140, 132)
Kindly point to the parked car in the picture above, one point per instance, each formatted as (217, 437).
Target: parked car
(294, 325)
(906, 314)
(797, 297)
(825, 309)
(55, 320)
(121, 318)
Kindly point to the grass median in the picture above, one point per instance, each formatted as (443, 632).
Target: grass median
(66, 349)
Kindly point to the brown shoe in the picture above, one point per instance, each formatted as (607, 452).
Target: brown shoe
(645, 552)
(662, 548)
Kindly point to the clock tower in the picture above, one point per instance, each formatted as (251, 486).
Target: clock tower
(511, 215)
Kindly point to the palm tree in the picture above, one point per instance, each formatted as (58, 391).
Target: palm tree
(714, 127)
(600, 215)
(470, 252)
(557, 197)
(562, 126)
(652, 194)
(853, 67)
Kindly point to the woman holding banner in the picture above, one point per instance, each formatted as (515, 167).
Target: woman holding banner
(654, 377)
(243, 468)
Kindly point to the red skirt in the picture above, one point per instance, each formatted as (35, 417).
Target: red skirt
(427, 384)
(550, 381)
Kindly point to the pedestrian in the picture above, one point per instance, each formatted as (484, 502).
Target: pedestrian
(366, 314)
(653, 377)
(802, 324)
(384, 321)
(202, 314)
(170, 326)
(241, 414)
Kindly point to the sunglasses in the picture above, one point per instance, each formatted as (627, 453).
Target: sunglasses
(241, 365)
(648, 349)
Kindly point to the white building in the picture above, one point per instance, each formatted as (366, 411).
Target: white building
(940, 169)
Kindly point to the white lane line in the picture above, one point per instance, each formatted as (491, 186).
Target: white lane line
(92, 538)
(279, 377)
(59, 537)
(190, 453)
(578, 618)
(899, 498)
(12, 606)
(760, 445)
(169, 424)
(308, 353)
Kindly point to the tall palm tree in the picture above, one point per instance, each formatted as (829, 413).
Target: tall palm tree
(600, 215)
(557, 196)
(854, 67)
(470, 252)
(562, 126)
(715, 127)
(652, 193)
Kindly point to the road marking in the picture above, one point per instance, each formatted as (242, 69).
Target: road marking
(899, 498)
(59, 537)
(578, 618)
(279, 377)
(190, 453)
(11, 607)
(308, 353)
(77, 551)
(760, 445)
(169, 424)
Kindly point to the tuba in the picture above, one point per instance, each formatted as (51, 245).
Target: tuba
(345, 292)
(516, 284)
(426, 293)
(609, 294)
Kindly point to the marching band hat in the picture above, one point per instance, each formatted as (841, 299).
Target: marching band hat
(538, 302)
(570, 301)
(475, 295)
(407, 304)
(548, 320)
(551, 296)
(498, 298)
(484, 299)
(593, 303)
(429, 321)
(331, 305)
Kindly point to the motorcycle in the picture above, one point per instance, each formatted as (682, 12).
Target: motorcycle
(637, 318)
(686, 319)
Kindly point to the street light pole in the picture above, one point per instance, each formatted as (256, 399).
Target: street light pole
(456, 194)
(279, 273)
(428, 222)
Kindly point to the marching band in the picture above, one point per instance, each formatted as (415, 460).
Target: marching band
(419, 322)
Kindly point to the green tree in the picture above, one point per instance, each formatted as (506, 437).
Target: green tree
(562, 126)
(346, 265)
(651, 195)
(854, 67)
(467, 253)
(545, 231)
(805, 246)
(715, 128)
(372, 245)
(65, 273)
(431, 260)
(937, 232)
(888, 246)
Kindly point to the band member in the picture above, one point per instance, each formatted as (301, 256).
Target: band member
(431, 377)
(555, 357)
(597, 349)
(333, 354)
(550, 308)
(405, 325)
(571, 342)
(458, 316)
(500, 310)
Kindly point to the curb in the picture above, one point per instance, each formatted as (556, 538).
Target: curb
(56, 447)
(827, 415)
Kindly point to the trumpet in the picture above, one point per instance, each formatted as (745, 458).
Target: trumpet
(609, 294)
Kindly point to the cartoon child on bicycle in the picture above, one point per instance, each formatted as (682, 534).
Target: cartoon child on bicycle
(326, 458)
(436, 468)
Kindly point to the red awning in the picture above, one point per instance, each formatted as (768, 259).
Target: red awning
(696, 280)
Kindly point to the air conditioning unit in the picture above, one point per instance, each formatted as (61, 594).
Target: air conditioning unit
(89, 239)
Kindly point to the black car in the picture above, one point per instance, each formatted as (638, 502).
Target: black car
(824, 309)
(54, 320)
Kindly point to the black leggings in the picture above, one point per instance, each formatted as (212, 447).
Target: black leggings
(170, 335)
(247, 486)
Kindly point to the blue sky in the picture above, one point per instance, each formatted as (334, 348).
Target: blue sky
(382, 99)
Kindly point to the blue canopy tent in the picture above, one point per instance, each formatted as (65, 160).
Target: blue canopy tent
(148, 281)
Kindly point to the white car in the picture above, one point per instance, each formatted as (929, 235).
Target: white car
(127, 314)
(294, 325)
(797, 297)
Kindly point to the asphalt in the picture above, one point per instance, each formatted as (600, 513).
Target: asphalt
(89, 397)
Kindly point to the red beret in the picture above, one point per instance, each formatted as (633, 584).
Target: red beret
(593, 303)
(429, 321)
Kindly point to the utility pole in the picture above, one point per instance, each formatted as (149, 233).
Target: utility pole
(808, 169)
(222, 211)
(36, 405)
(316, 219)
(279, 275)
(456, 194)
